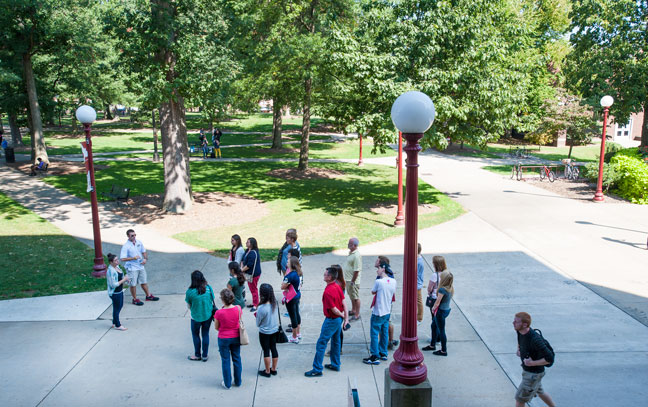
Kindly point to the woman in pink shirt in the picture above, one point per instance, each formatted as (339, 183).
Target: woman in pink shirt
(226, 322)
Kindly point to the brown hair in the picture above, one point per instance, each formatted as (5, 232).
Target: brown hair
(524, 318)
(227, 296)
(294, 265)
(383, 260)
(420, 248)
(439, 264)
(292, 233)
(336, 270)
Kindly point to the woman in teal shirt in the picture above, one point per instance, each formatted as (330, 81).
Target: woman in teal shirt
(200, 300)
(236, 284)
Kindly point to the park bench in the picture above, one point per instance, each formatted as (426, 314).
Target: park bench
(42, 171)
(117, 193)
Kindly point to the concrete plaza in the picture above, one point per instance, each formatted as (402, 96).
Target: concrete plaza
(577, 267)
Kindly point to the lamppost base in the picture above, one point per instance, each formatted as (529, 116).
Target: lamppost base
(401, 395)
(360, 163)
(99, 268)
(598, 197)
(400, 220)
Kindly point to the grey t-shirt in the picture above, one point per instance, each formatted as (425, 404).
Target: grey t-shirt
(267, 319)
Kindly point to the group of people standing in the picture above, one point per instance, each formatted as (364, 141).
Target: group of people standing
(216, 141)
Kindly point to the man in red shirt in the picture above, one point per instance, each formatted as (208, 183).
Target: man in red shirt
(336, 317)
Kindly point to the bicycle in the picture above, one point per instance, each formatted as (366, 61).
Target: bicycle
(516, 172)
(546, 172)
(571, 171)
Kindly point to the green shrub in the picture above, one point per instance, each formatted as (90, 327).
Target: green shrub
(611, 148)
(610, 177)
(629, 152)
(633, 178)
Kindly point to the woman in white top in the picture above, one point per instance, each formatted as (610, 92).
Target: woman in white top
(237, 251)
(115, 278)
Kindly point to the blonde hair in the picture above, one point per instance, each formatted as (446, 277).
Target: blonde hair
(294, 264)
(447, 283)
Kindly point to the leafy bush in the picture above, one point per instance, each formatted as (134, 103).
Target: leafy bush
(611, 149)
(629, 152)
(633, 178)
(611, 174)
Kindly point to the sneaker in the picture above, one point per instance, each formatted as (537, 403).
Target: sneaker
(292, 339)
(384, 357)
(273, 372)
(152, 298)
(286, 314)
(264, 373)
(313, 373)
(331, 367)
(371, 360)
(120, 328)
(429, 348)
(205, 358)
(137, 302)
(223, 384)
(440, 353)
(289, 329)
(299, 337)
(289, 325)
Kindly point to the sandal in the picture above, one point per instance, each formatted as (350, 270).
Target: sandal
(428, 348)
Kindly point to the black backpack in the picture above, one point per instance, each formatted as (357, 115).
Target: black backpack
(548, 345)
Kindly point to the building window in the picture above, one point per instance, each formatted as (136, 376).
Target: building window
(624, 131)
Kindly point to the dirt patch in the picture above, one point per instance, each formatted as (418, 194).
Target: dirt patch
(209, 210)
(579, 190)
(392, 209)
(57, 168)
(311, 173)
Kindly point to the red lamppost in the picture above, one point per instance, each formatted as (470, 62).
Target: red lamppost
(87, 115)
(360, 158)
(400, 219)
(606, 102)
(412, 114)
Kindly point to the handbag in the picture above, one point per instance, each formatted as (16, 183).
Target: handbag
(431, 298)
(281, 335)
(214, 307)
(243, 336)
(250, 277)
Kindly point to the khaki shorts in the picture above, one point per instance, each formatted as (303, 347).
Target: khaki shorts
(530, 386)
(136, 276)
(353, 291)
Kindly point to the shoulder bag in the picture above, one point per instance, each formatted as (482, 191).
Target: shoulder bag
(243, 336)
(214, 307)
(431, 299)
(281, 335)
(249, 277)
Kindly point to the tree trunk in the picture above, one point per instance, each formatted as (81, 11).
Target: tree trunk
(277, 121)
(16, 137)
(156, 154)
(175, 153)
(38, 142)
(571, 146)
(303, 150)
(177, 179)
(109, 115)
(211, 125)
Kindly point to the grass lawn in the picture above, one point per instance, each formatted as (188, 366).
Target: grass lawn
(251, 122)
(346, 149)
(326, 212)
(499, 169)
(37, 258)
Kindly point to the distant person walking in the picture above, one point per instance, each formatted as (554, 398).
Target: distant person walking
(251, 265)
(236, 283)
(216, 140)
(200, 301)
(383, 290)
(534, 354)
(267, 320)
(335, 317)
(237, 251)
(115, 279)
(226, 322)
(291, 285)
(352, 270)
(133, 254)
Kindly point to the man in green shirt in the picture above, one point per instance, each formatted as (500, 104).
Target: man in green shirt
(352, 269)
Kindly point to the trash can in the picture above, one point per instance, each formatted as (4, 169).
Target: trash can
(10, 157)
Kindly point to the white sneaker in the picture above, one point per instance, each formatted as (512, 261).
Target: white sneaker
(292, 339)
(223, 384)
(299, 337)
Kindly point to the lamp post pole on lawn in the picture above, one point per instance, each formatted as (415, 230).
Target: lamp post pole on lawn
(606, 102)
(360, 158)
(87, 115)
(400, 219)
(412, 114)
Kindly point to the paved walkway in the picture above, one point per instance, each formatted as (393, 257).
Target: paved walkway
(518, 248)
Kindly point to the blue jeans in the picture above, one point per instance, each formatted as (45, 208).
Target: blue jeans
(118, 303)
(227, 346)
(379, 327)
(331, 329)
(438, 328)
(195, 333)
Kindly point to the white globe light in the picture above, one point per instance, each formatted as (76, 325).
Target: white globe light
(85, 114)
(413, 112)
(606, 101)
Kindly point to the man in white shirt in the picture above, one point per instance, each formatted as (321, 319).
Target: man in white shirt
(383, 290)
(133, 255)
